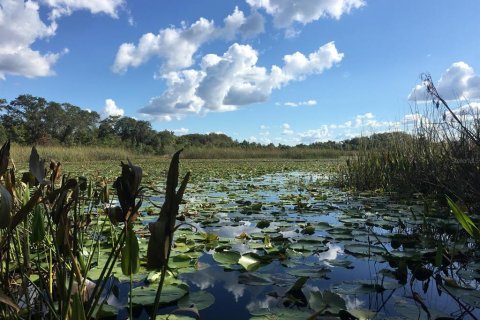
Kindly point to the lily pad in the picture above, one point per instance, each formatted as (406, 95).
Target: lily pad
(250, 262)
(226, 257)
(327, 301)
(199, 299)
(145, 296)
(255, 279)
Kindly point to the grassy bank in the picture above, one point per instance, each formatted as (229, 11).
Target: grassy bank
(20, 154)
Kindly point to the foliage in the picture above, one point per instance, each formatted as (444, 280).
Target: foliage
(29, 120)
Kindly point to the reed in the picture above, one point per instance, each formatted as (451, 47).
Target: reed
(441, 157)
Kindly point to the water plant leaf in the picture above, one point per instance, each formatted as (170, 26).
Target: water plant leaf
(4, 157)
(38, 226)
(161, 237)
(145, 296)
(5, 207)
(255, 279)
(226, 257)
(250, 262)
(279, 313)
(105, 311)
(37, 165)
(363, 286)
(199, 300)
(127, 186)
(326, 300)
(464, 219)
(363, 249)
(317, 272)
(130, 253)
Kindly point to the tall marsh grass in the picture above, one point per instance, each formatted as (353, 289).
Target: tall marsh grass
(441, 156)
(21, 153)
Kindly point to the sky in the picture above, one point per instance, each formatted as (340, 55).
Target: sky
(266, 71)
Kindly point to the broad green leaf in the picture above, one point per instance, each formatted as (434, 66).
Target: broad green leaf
(199, 299)
(250, 262)
(312, 272)
(145, 296)
(226, 257)
(326, 300)
(130, 253)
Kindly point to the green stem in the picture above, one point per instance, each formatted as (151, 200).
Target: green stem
(159, 293)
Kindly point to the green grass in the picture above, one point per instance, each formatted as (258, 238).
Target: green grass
(20, 154)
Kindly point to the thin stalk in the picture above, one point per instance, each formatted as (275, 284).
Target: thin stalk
(112, 258)
(159, 293)
(131, 302)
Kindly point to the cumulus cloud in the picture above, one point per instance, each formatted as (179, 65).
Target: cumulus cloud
(301, 103)
(177, 46)
(66, 7)
(111, 109)
(224, 83)
(458, 82)
(362, 124)
(467, 112)
(287, 12)
(20, 27)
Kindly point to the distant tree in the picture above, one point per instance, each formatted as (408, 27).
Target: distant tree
(24, 119)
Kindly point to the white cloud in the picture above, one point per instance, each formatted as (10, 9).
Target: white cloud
(66, 7)
(467, 112)
(224, 83)
(315, 135)
(111, 109)
(181, 131)
(362, 124)
(20, 27)
(287, 12)
(286, 130)
(177, 46)
(301, 103)
(458, 82)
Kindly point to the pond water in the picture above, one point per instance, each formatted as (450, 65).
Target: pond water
(287, 246)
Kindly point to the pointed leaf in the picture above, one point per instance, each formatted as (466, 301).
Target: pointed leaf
(37, 165)
(5, 207)
(4, 157)
(130, 253)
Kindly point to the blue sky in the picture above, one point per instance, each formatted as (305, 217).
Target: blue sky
(280, 71)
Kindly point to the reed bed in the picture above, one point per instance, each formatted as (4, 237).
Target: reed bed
(441, 157)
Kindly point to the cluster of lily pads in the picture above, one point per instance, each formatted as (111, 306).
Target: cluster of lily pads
(313, 251)
(271, 240)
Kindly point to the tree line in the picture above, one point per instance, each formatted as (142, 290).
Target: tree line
(30, 120)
